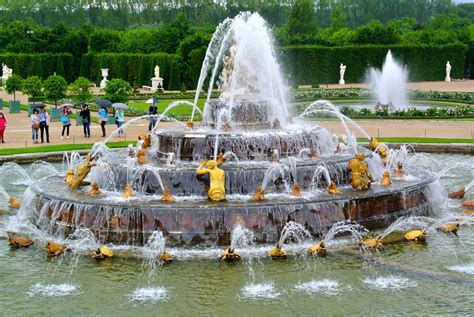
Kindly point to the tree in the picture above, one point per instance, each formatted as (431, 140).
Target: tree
(375, 32)
(14, 84)
(104, 41)
(32, 87)
(118, 90)
(175, 76)
(55, 88)
(80, 89)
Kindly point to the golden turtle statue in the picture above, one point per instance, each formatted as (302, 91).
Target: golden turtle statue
(416, 235)
(102, 253)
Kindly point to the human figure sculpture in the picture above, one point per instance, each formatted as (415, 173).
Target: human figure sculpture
(448, 72)
(381, 149)
(6, 72)
(386, 179)
(82, 170)
(361, 177)
(342, 70)
(259, 194)
(157, 71)
(95, 190)
(141, 157)
(217, 180)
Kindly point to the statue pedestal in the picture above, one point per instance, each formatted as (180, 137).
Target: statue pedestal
(103, 83)
(156, 82)
(342, 82)
(447, 78)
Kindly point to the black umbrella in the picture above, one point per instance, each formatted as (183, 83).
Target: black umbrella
(38, 105)
(80, 103)
(103, 103)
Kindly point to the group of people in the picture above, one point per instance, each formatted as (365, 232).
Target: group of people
(40, 122)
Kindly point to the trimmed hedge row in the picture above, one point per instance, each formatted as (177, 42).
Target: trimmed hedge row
(137, 69)
(41, 65)
(320, 65)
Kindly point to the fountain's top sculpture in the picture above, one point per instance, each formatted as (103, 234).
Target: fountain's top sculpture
(250, 82)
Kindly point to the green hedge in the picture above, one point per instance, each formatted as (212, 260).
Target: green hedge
(41, 65)
(320, 65)
(137, 69)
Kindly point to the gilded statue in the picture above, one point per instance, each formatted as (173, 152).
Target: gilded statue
(400, 170)
(141, 157)
(220, 159)
(167, 197)
(333, 190)
(259, 194)
(128, 192)
(95, 190)
(69, 176)
(296, 190)
(382, 149)
(361, 177)
(386, 178)
(82, 170)
(146, 138)
(217, 180)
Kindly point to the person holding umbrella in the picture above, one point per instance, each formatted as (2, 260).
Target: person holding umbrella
(3, 126)
(152, 111)
(66, 121)
(103, 117)
(119, 115)
(44, 123)
(86, 120)
(35, 124)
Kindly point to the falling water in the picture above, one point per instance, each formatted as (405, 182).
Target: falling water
(275, 172)
(295, 232)
(241, 237)
(343, 227)
(321, 170)
(153, 249)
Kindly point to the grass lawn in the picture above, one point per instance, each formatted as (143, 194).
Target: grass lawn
(179, 110)
(60, 148)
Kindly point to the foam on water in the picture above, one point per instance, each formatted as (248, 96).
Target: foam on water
(390, 282)
(325, 286)
(463, 268)
(149, 294)
(53, 290)
(256, 291)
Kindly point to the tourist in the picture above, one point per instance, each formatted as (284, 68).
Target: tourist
(119, 117)
(35, 125)
(44, 124)
(103, 117)
(66, 121)
(152, 111)
(3, 126)
(86, 120)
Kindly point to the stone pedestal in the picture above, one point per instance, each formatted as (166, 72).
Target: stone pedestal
(156, 83)
(103, 82)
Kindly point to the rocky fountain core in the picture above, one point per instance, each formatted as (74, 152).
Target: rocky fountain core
(274, 169)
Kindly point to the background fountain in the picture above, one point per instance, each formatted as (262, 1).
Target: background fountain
(389, 84)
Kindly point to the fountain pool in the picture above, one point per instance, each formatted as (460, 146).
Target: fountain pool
(432, 278)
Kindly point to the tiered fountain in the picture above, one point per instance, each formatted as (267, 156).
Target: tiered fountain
(249, 134)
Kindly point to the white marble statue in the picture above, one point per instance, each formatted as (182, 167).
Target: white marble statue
(448, 72)
(6, 72)
(157, 81)
(103, 82)
(342, 70)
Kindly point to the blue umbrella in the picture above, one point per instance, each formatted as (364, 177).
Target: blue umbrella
(103, 103)
(152, 100)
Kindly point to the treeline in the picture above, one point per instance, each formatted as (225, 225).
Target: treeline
(126, 14)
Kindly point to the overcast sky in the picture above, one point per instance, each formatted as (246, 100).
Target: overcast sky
(464, 1)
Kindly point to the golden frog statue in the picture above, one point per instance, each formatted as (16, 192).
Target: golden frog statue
(317, 248)
(217, 180)
(361, 177)
(190, 124)
(259, 194)
(69, 176)
(277, 252)
(167, 197)
(128, 192)
(333, 190)
(229, 255)
(14, 203)
(386, 179)
(382, 149)
(141, 157)
(82, 170)
(95, 190)
(53, 248)
(400, 170)
(296, 190)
